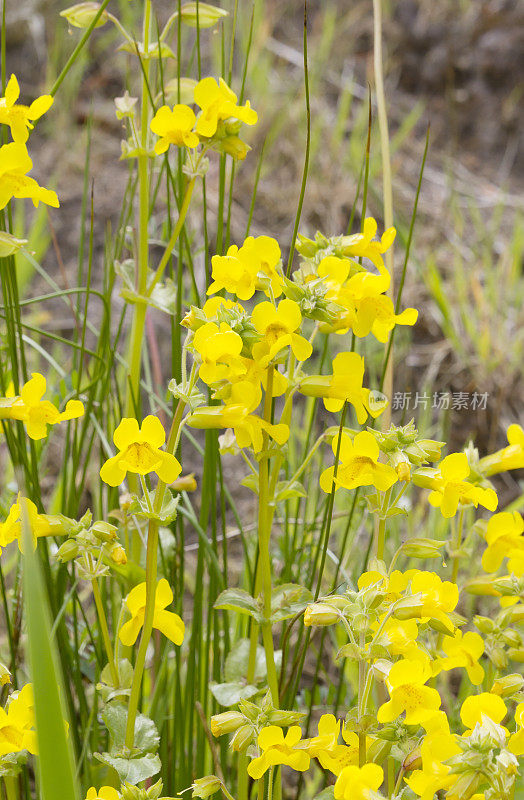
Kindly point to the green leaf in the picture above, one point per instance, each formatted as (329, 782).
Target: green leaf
(229, 694)
(146, 734)
(237, 661)
(106, 686)
(133, 770)
(56, 763)
(289, 600)
(285, 490)
(240, 601)
(141, 507)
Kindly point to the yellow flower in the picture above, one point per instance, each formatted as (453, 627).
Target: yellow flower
(464, 650)
(279, 749)
(359, 783)
(437, 598)
(361, 245)
(218, 102)
(104, 793)
(325, 748)
(18, 117)
(174, 126)
(505, 540)
(278, 326)
(451, 489)
(40, 524)
(477, 706)
(408, 693)
(164, 621)
(14, 182)
(399, 637)
(236, 414)
(35, 413)
(510, 457)
(516, 742)
(219, 348)
(345, 385)
(17, 724)
(359, 465)
(436, 749)
(264, 253)
(234, 273)
(139, 452)
(377, 315)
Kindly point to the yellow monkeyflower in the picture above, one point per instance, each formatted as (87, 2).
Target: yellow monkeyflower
(140, 453)
(174, 126)
(248, 428)
(505, 540)
(359, 465)
(437, 598)
(164, 621)
(244, 269)
(345, 385)
(104, 793)
(510, 457)
(14, 181)
(516, 741)
(407, 691)
(377, 315)
(35, 413)
(399, 637)
(359, 783)
(464, 650)
(40, 524)
(279, 326)
(485, 704)
(326, 749)
(279, 749)
(219, 347)
(451, 489)
(436, 749)
(20, 118)
(364, 244)
(218, 102)
(17, 724)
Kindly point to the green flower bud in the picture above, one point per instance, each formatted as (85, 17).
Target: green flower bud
(508, 685)
(9, 244)
(228, 722)
(320, 614)
(242, 738)
(68, 551)
(202, 15)
(104, 531)
(81, 15)
(205, 787)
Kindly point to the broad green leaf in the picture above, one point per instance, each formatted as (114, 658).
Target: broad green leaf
(238, 600)
(229, 694)
(237, 661)
(146, 734)
(289, 600)
(132, 770)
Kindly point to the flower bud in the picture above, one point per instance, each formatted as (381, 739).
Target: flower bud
(9, 244)
(508, 685)
(516, 655)
(205, 787)
(320, 614)
(412, 761)
(5, 675)
(104, 531)
(118, 555)
(186, 483)
(202, 15)
(422, 548)
(187, 91)
(228, 722)
(82, 15)
(484, 624)
(403, 471)
(67, 551)
(242, 738)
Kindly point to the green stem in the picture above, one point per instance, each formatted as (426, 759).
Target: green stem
(381, 533)
(456, 543)
(151, 581)
(360, 711)
(174, 236)
(11, 787)
(105, 632)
